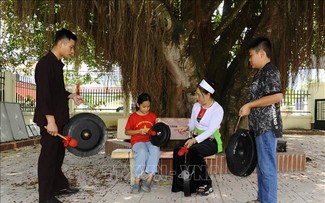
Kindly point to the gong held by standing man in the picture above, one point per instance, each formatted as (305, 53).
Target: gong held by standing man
(51, 114)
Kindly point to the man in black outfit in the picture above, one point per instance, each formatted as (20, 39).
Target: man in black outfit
(51, 114)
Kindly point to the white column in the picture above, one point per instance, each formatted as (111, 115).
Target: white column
(10, 87)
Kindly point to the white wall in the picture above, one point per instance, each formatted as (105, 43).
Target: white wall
(291, 121)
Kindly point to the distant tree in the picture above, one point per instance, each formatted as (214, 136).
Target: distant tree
(165, 47)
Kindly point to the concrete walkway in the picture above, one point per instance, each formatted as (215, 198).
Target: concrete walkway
(102, 179)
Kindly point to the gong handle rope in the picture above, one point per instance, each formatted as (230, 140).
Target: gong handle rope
(237, 124)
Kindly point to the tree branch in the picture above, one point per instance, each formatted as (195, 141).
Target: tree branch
(230, 18)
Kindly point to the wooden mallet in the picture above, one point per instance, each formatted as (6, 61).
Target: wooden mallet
(67, 140)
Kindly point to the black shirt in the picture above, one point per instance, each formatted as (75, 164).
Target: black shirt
(265, 82)
(51, 95)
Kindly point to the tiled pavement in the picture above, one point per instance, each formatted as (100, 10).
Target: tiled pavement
(102, 179)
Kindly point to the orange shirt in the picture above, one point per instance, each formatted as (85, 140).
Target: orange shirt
(137, 122)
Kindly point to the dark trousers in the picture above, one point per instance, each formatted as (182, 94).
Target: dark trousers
(195, 164)
(50, 176)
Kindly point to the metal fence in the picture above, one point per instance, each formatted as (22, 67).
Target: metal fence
(295, 101)
(26, 92)
(111, 99)
(96, 98)
(102, 99)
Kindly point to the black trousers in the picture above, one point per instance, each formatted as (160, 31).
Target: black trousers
(50, 176)
(195, 164)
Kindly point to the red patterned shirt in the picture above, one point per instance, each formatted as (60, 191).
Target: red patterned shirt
(137, 122)
(201, 114)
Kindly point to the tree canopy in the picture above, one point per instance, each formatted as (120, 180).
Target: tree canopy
(165, 47)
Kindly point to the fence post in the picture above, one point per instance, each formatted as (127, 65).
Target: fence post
(72, 107)
(10, 87)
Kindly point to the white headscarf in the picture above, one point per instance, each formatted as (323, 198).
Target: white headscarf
(206, 86)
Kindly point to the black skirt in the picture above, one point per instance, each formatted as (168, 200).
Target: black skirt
(195, 164)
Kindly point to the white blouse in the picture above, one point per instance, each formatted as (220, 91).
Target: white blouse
(210, 121)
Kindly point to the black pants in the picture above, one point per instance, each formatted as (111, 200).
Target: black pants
(195, 163)
(50, 176)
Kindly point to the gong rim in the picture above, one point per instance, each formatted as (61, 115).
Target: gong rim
(241, 153)
(90, 132)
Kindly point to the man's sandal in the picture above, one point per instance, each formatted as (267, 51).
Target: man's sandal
(204, 190)
(254, 201)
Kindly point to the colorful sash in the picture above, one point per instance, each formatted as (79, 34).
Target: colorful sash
(216, 136)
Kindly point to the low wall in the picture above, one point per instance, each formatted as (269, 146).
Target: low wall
(110, 119)
(292, 121)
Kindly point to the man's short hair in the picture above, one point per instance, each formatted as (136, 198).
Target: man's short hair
(259, 43)
(64, 34)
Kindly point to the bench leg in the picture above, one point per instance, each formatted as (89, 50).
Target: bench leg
(131, 171)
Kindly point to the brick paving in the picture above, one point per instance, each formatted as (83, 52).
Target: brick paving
(102, 179)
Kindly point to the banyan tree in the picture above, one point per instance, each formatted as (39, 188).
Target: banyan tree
(165, 47)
